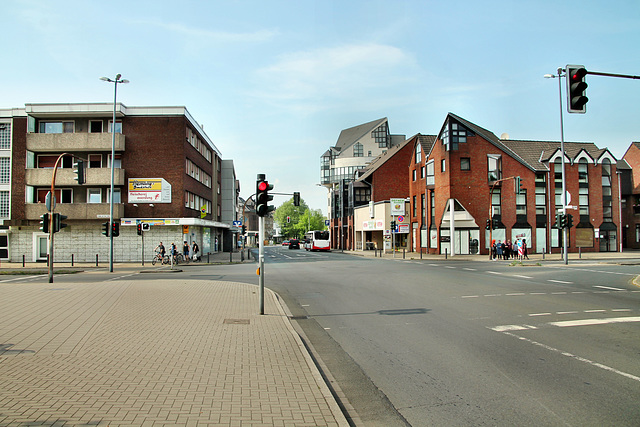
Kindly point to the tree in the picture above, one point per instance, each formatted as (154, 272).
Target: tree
(300, 219)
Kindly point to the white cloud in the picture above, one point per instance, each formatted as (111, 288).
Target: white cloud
(339, 72)
(201, 34)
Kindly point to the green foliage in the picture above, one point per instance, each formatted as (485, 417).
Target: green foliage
(301, 219)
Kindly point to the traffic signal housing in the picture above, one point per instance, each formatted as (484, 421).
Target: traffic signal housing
(78, 169)
(488, 226)
(262, 196)
(495, 223)
(519, 185)
(106, 228)
(139, 229)
(576, 89)
(296, 199)
(115, 229)
(569, 220)
(44, 223)
(57, 222)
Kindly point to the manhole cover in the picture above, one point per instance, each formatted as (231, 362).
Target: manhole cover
(236, 321)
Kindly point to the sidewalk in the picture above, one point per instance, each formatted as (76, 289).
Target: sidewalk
(164, 352)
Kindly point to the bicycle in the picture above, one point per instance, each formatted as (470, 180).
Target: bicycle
(158, 257)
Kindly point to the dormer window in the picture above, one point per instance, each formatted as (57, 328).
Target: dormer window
(454, 134)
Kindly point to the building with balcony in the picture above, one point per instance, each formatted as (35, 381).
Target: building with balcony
(166, 172)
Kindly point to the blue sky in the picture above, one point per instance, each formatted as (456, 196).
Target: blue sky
(274, 82)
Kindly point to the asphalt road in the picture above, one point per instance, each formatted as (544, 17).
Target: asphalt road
(458, 342)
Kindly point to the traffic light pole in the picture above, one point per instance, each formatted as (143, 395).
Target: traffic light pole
(261, 262)
(565, 230)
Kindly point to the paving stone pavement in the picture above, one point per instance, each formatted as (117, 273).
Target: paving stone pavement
(165, 352)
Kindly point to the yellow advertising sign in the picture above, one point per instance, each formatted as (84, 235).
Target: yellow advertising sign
(185, 229)
(149, 184)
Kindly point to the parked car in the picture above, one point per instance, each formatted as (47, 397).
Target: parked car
(294, 244)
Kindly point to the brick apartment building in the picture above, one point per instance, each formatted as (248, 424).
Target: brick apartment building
(629, 169)
(167, 173)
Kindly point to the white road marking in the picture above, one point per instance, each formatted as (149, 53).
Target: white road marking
(494, 272)
(470, 269)
(621, 309)
(595, 311)
(515, 294)
(470, 296)
(578, 358)
(608, 287)
(567, 312)
(505, 328)
(522, 277)
(560, 281)
(539, 314)
(590, 322)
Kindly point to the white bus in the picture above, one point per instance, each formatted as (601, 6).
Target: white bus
(317, 241)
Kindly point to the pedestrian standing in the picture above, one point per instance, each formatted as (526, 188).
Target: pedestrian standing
(185, 250)
(195, 249)
(524, 249)
(499, 249)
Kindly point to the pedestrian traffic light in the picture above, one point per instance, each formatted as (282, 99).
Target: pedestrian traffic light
(576, 87)
(262, 196)
(569, 220)
(139, 229)
(106, 227)
(78, 169)
(57, 222)
(115, 229)
(488, 226)
(296, 199)
(44, 223)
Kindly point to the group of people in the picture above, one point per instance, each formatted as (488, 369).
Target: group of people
(195, 250)
(506, 250)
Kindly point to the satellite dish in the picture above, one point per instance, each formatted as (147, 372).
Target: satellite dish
(504, 136)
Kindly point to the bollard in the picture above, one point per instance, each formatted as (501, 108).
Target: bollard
(23, 260)
(71, 260)
(420, 253)
(580, 252)
(208, 253)
(242, 255)
(403, 253)
(543, 252)
(445, 253)
(96, 260)
(231, 255)
(47, 260)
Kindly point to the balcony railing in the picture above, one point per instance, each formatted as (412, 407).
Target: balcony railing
(76, 211)
(73, 142)
(41, 177)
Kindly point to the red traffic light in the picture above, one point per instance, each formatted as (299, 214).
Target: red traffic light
(578, 74)
(263, 185)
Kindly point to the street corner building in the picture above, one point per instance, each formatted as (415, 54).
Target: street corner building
(167, 173)
(465, 187)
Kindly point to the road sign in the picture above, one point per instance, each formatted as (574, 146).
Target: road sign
(400, 218)
(237, 223)
(327, 222)
(146, 226)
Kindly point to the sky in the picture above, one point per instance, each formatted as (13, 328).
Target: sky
(274, 82)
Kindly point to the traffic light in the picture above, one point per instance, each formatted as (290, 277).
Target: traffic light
(244, 229)
(569, 220)
(78, 169)
(44, 223)
(576, 87)
(393, 226)
(519, 185)
(296, 199)
(495, 222)
(488, 227)
(262, 196)
(106, 227)
(139, 229)
(57, 222)
(115, 229)
(558, 223)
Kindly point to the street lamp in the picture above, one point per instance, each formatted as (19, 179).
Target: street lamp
(113, 144)
(565, 230)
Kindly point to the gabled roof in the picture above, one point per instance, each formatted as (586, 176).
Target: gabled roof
(538, 153)
(382, 159)
(351, 135)
(426, 141)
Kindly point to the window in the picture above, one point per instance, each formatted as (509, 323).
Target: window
(465, 163)
(521, 203)
(95, 126)
(5, 136)
(381, 135)
(56, 127)
(116, 195)
(583, 177)
(431, 173)
(117, 163)
(583, 200)
(607, 202)
(415, 174)
(495, 201)
(362, 194)
(453, 135)
(4, 204)
(118, 126)
(5, 170)
(443, 164)
(494, 167)
(422, 172)
(94, 195)
(423, 205)
(418, 153)
(415, 206)
(637, 233)
(357, 150)
(95, 160)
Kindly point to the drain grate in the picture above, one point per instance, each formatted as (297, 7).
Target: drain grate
(236, 321)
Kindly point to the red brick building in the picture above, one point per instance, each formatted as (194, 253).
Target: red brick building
(470, 178)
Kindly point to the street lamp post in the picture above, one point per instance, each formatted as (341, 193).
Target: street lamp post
(113, 144)
(563, 199)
